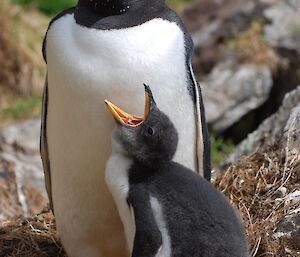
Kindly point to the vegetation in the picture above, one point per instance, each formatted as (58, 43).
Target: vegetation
(220, 148)
(175, 4)
(253, 185)
(22, 70)
(251, 46)
(49, 7)
(23, 108)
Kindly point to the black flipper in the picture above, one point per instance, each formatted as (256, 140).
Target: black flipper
(206, 140)
(202, 144)
(43, 135)
(148, 238)
(44, 144)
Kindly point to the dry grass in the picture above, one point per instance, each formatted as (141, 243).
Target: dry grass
(250, 46)
(25, 30)
(256, 186)
(22, 70)
(15, 64)
(35, 237)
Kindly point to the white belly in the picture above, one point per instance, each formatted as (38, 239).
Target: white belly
(85, 66)
(116, 177)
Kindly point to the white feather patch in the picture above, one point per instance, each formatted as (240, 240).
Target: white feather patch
(116, 177)
(85, 66)
(165, 249)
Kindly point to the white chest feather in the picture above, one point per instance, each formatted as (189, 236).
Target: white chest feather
(116, 176)
(165, 249)
(85, 66)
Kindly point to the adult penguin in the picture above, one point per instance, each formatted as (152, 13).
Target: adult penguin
(108, 49)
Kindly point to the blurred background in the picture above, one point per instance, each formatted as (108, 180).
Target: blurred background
(246, 58)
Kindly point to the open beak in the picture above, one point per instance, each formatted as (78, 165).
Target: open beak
(125, 118)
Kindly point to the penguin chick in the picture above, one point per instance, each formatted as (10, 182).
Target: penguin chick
(166, 209)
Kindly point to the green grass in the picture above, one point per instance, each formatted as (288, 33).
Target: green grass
(174, 4)
(220, 149)
(22, 108)
(49, 7)
(52, 7)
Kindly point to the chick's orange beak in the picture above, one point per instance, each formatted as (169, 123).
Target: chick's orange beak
(126, 118)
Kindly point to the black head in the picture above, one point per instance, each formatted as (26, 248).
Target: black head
(149, 140)
(116, 7)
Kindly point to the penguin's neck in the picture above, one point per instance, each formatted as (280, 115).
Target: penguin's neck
(147, 169)
(107, 8)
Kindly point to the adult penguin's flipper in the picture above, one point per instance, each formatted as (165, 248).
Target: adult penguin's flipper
(44, 144)
(203, 141)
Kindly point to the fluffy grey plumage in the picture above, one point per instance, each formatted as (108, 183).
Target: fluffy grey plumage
(198, 218)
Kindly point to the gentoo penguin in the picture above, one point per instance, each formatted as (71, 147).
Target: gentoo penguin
(167, 210)
(107, 49)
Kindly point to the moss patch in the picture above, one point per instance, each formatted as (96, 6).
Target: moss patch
(250, 46)
(220, 149)
(22, 108)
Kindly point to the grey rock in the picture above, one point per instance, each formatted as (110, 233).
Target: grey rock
(282, 129)
(289, 227)
(9, 199)
(284, 28)
(24, 136)
(212, 22)
(285, 123)
(232, 91)
(233, 88)
(291, 131)
(19, 146)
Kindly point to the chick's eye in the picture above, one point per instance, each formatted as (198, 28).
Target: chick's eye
(150, 131)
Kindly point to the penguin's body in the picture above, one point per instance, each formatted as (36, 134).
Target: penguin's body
(167, 210)
(92, 55)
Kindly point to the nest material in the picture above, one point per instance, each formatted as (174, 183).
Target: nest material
(34, 237)
(254, 185)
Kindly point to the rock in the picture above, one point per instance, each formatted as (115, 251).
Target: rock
(272, 171)
(284, 122)
(253, 36)
(289, 227)
(231, 91)
(212, 22)
(22, 172)
(9, 204)
(283, 30)
(291, 131)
